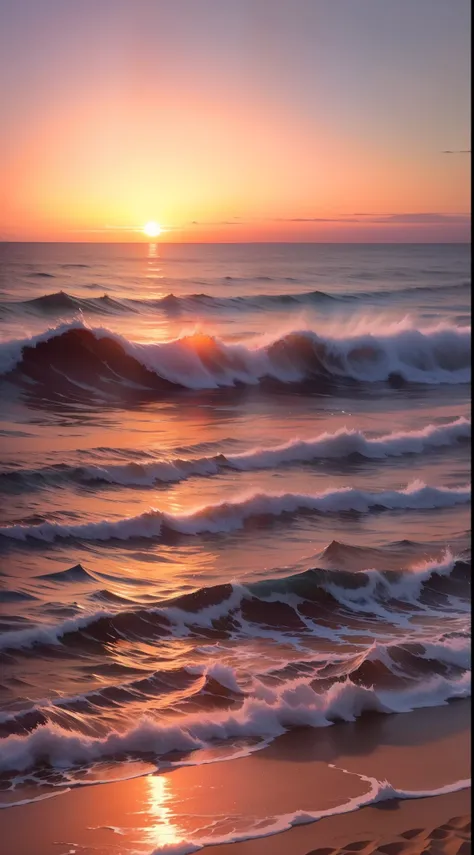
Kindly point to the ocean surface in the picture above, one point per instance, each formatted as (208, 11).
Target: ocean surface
(235, 498)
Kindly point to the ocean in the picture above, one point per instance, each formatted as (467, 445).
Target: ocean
(235, 499)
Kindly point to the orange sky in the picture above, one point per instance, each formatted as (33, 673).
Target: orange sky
(116, 116)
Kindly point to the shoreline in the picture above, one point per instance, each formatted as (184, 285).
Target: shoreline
(368, 829)
(420, 751)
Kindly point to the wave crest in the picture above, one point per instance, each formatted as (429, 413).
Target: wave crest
(343, 444)
(306, 602)
(73, 356)
(233, 515)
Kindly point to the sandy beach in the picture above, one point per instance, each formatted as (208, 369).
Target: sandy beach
(300, 774)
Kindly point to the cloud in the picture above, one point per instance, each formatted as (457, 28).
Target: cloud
(235, 222)
(106, 229)
(457, 151)
(315, 220)
(422, 218)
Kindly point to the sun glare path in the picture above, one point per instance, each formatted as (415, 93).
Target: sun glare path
(152, 229)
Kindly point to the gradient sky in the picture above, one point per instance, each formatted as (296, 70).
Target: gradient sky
(235, 120)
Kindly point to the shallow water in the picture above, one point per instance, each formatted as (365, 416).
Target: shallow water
(235, 497)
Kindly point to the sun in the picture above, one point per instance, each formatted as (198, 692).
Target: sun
(152, 229)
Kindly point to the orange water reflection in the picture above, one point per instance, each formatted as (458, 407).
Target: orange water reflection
(164, 831)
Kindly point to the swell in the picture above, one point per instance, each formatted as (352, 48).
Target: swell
(73, 357)
(343, 444)
(58, 302)
(301, 603)
(231, 516)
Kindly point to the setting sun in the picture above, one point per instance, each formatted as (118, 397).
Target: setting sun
(152, 229)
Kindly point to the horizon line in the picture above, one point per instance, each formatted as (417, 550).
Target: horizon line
(243, 242)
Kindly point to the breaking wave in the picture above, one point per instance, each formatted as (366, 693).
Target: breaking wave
(234, 515)
(262, 717)
(303, 602)
(343, 444)
(72, 356)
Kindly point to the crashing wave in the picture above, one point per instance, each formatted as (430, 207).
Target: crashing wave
(74, 356)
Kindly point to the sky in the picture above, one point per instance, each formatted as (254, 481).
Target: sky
(235, 120)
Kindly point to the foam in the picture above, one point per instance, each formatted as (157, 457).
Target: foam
(390, 585)
(223, 674)
(232, 515)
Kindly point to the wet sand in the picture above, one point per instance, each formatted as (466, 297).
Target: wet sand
(435, 826)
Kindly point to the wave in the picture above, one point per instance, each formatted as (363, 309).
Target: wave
(72, 357)
(231, 516)
(304, 602)
(343, 444)
(63, 577)
(217, 703)
(262, 717)
(380, 667)
(60, 301)
(463, 287)
(74, 266)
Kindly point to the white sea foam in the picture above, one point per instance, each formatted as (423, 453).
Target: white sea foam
(385, 585)
(232, 515)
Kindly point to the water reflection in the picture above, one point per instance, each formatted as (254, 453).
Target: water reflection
(164, 831)
(153, 269)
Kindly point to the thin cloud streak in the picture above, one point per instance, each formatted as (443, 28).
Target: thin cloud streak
(236, 222)
(315, 220)
(422, 218)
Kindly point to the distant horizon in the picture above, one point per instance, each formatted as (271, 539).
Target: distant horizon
(244, 242)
